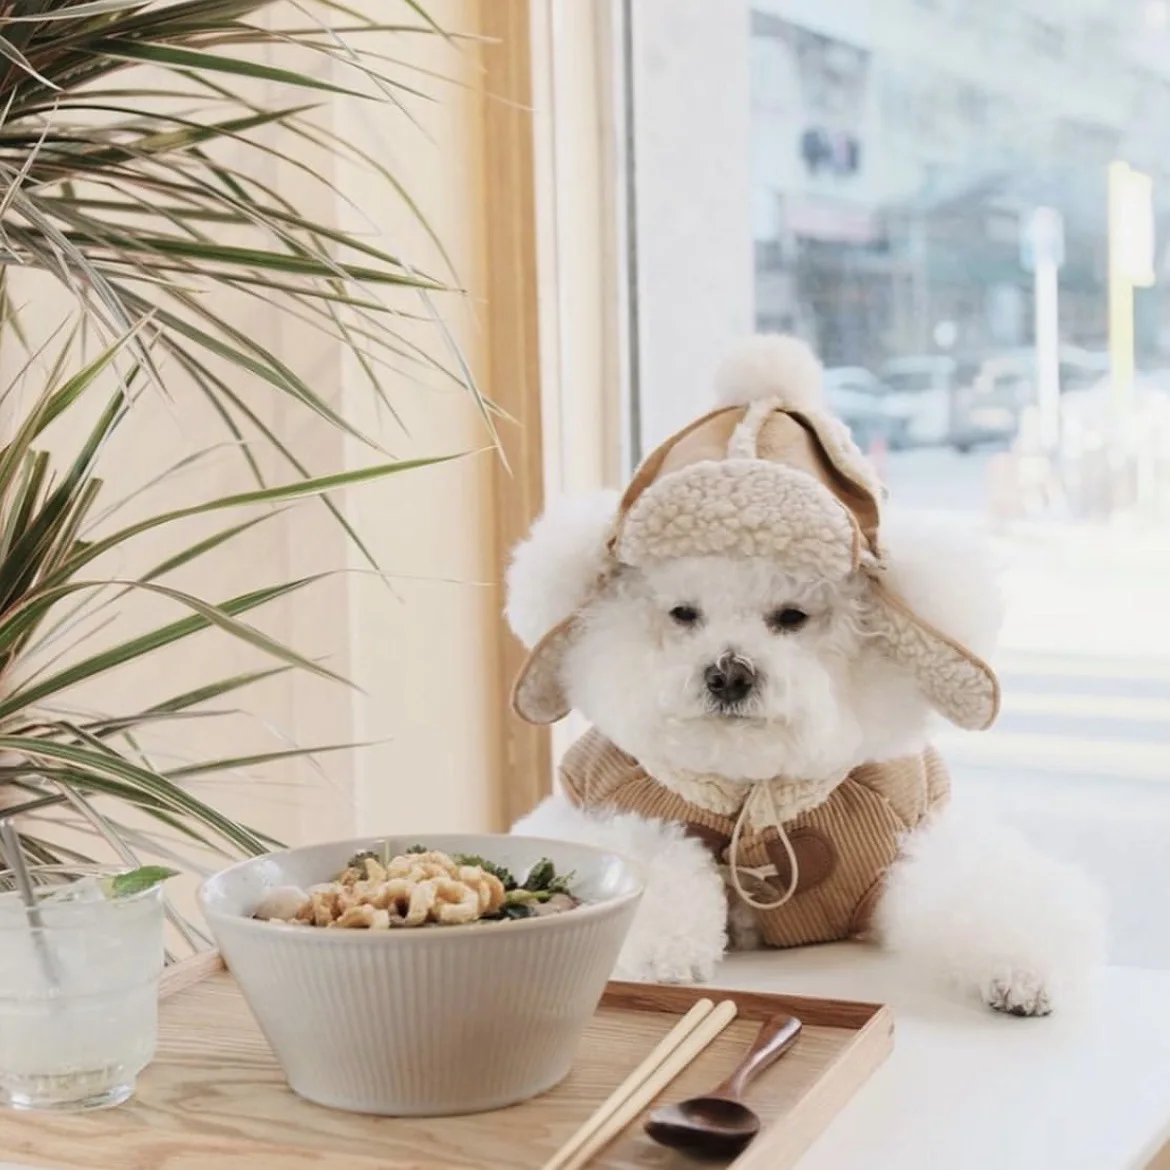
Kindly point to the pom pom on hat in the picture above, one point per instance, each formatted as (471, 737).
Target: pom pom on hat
(771, 365)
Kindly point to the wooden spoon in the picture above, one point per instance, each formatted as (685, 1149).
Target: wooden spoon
(720, 1123)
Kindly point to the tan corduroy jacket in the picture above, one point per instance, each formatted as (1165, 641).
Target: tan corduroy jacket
(843, 847)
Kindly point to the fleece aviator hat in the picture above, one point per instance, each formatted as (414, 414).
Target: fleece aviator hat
(770, 474)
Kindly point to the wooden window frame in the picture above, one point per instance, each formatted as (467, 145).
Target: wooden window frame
(513, 357)
(559, 292)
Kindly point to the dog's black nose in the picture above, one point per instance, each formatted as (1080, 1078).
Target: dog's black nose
(730, 680)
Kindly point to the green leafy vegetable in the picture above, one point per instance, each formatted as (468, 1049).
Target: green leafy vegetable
(359, 859)
(124, 885)
(540, 875)
(543, 876)
(522, 897)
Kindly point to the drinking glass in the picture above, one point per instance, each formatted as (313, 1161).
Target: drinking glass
(78, 992)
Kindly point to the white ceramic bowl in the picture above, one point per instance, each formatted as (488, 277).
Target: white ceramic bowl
(432, 1020)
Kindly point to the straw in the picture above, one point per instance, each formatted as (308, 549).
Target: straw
(15, 857)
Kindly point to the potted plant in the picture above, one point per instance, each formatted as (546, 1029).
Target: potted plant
(116, 187)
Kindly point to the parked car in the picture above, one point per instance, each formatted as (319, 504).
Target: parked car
(1082, 369)
(986, 406)
(989, 394)
(1156, 379)
(920, 391)
(864, 403)
(1090, 408)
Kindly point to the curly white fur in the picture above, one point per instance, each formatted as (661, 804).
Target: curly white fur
(679, 932)
(949, 579)
(638, 674)
(978, 906)
(948, 575)
(969, 903)
(553, 571)
(771, 365)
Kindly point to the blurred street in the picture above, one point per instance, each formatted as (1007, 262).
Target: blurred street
(1084, 735)
(984, 274)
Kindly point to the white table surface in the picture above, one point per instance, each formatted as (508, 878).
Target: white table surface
(967, 1089)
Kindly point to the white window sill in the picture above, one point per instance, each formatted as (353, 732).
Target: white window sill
(966, 1089)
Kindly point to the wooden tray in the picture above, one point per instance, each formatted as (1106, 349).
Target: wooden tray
(214, 1099)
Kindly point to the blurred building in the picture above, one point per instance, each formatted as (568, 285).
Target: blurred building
(898, 144)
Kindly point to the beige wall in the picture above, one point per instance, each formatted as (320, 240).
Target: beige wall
(427, 660)
(423, 655)
(422, 651)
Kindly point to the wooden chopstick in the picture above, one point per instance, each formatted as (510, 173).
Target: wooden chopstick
(681, 1046)
(645, 1093)
(614, 1101)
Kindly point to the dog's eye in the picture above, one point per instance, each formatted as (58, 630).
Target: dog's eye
(685, 615)
(787, 619)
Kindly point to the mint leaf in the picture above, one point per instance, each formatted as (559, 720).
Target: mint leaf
(123, 885)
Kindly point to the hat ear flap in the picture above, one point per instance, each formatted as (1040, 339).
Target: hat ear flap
(935, 612)
(554, 570)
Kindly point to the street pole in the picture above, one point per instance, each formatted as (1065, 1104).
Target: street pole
(1047, 315)
(1042, 254)
(1121, 333)
(1131, 265)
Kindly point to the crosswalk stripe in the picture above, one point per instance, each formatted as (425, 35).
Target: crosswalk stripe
(1116, 707)
(1021, 751)
(1018, 662)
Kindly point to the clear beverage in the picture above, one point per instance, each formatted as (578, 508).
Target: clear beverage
(78, 997)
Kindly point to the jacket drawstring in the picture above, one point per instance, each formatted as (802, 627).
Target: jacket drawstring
(762, 789)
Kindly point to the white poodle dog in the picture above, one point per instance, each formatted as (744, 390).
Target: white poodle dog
(714, 668)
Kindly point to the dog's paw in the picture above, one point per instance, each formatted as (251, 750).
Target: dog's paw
(743, 926)
(1017, 993)
(679, 932)
(974, 904)
(667, 960)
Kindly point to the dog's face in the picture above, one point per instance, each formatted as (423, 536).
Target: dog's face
(734, 668)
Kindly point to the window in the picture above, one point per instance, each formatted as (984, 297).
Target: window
(1046, 37)
(922, 190)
